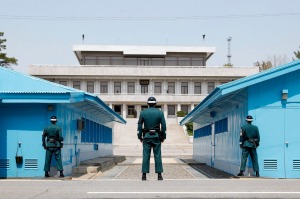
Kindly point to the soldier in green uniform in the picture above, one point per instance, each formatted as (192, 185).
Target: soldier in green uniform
(152, 135)
(52, 143)
(249, 141)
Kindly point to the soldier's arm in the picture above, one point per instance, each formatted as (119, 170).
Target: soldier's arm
(140, 126)
(163, 125)
(258, 137)
(242, 137)
(60, 139)
(44, 138)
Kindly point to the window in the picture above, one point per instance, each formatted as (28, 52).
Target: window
(117, 87)
(171, 87)
(130, 87)
(104, 60)
(144, 61)
(210, 87)
(131, 61)
(198, 61)
(184, 61)
(103, 87)
(185, 108)
(63, 83)
(171, 61)
(144, 88)
(157, 62)
(90, 87)
(90, 60)
(131, 111)
(117, 61)
(157, 87)
(171, 109)
(197, 88)
(76, 85)
(184, 88)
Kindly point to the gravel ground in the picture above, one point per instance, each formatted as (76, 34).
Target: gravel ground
(183, 169)
(171, 171)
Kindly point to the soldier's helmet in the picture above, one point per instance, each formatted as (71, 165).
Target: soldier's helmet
(53, 119)
(249, 118)
(151, 101)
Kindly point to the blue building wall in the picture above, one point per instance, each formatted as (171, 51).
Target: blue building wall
(221, 148)
(277, 121)
(24, 123)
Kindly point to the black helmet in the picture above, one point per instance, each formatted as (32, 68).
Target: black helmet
(151, 101)
(53, 119)
(249, 118)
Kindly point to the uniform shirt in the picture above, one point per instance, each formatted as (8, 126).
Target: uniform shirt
(152, 118)
(249, 131)
(52, 132)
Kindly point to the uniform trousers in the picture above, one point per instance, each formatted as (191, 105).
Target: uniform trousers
(253, 154)
(57, 154)
(148, 144)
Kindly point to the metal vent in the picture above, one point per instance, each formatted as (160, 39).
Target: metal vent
(31, 164)
(4, 164)
(270, 164)
(296, 164)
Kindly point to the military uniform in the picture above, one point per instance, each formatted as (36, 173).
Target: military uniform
(53, 142)
(154, 122)
(249, 141)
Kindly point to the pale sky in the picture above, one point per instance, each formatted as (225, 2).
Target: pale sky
(43, 32)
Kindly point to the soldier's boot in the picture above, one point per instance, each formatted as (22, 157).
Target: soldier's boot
(61, 174)
(144, 176)
(46, 174)
(159, 176)
(257, 174)
(241, 173)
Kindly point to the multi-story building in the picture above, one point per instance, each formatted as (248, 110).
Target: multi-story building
(125, 76)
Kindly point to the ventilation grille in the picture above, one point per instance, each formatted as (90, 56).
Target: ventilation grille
(296, 164)
(270, 164)
(31, 164)
(4, 164)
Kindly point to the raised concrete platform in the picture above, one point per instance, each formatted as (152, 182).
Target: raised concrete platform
(89, 168)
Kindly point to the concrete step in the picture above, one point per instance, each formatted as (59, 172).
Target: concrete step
(93, 166)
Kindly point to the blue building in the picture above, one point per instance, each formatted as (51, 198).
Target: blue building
(272, 97)
(26, 105)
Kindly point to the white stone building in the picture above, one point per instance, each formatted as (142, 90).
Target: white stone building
(125, 76)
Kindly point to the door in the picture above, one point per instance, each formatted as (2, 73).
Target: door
(213, 144)
(278, 153)
(23, 128)
(292, 143)
(271, 150)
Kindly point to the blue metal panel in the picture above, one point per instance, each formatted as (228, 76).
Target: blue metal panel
(22, 124)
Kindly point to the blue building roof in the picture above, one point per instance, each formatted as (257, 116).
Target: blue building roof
(17, 87)
(235, 91)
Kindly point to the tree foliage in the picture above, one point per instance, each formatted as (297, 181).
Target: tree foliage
(297, 54)
(4, 60)
(264, 65)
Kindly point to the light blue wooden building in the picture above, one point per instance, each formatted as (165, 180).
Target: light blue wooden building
(26, 105)
(272, 97)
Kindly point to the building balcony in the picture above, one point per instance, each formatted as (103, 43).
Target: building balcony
(142, 97)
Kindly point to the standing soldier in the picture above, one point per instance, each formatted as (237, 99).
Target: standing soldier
(249, 141)
(152, 135)
(52, 143)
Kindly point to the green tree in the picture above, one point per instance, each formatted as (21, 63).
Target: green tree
(264, 65)
(4, 60)
(297, 54)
